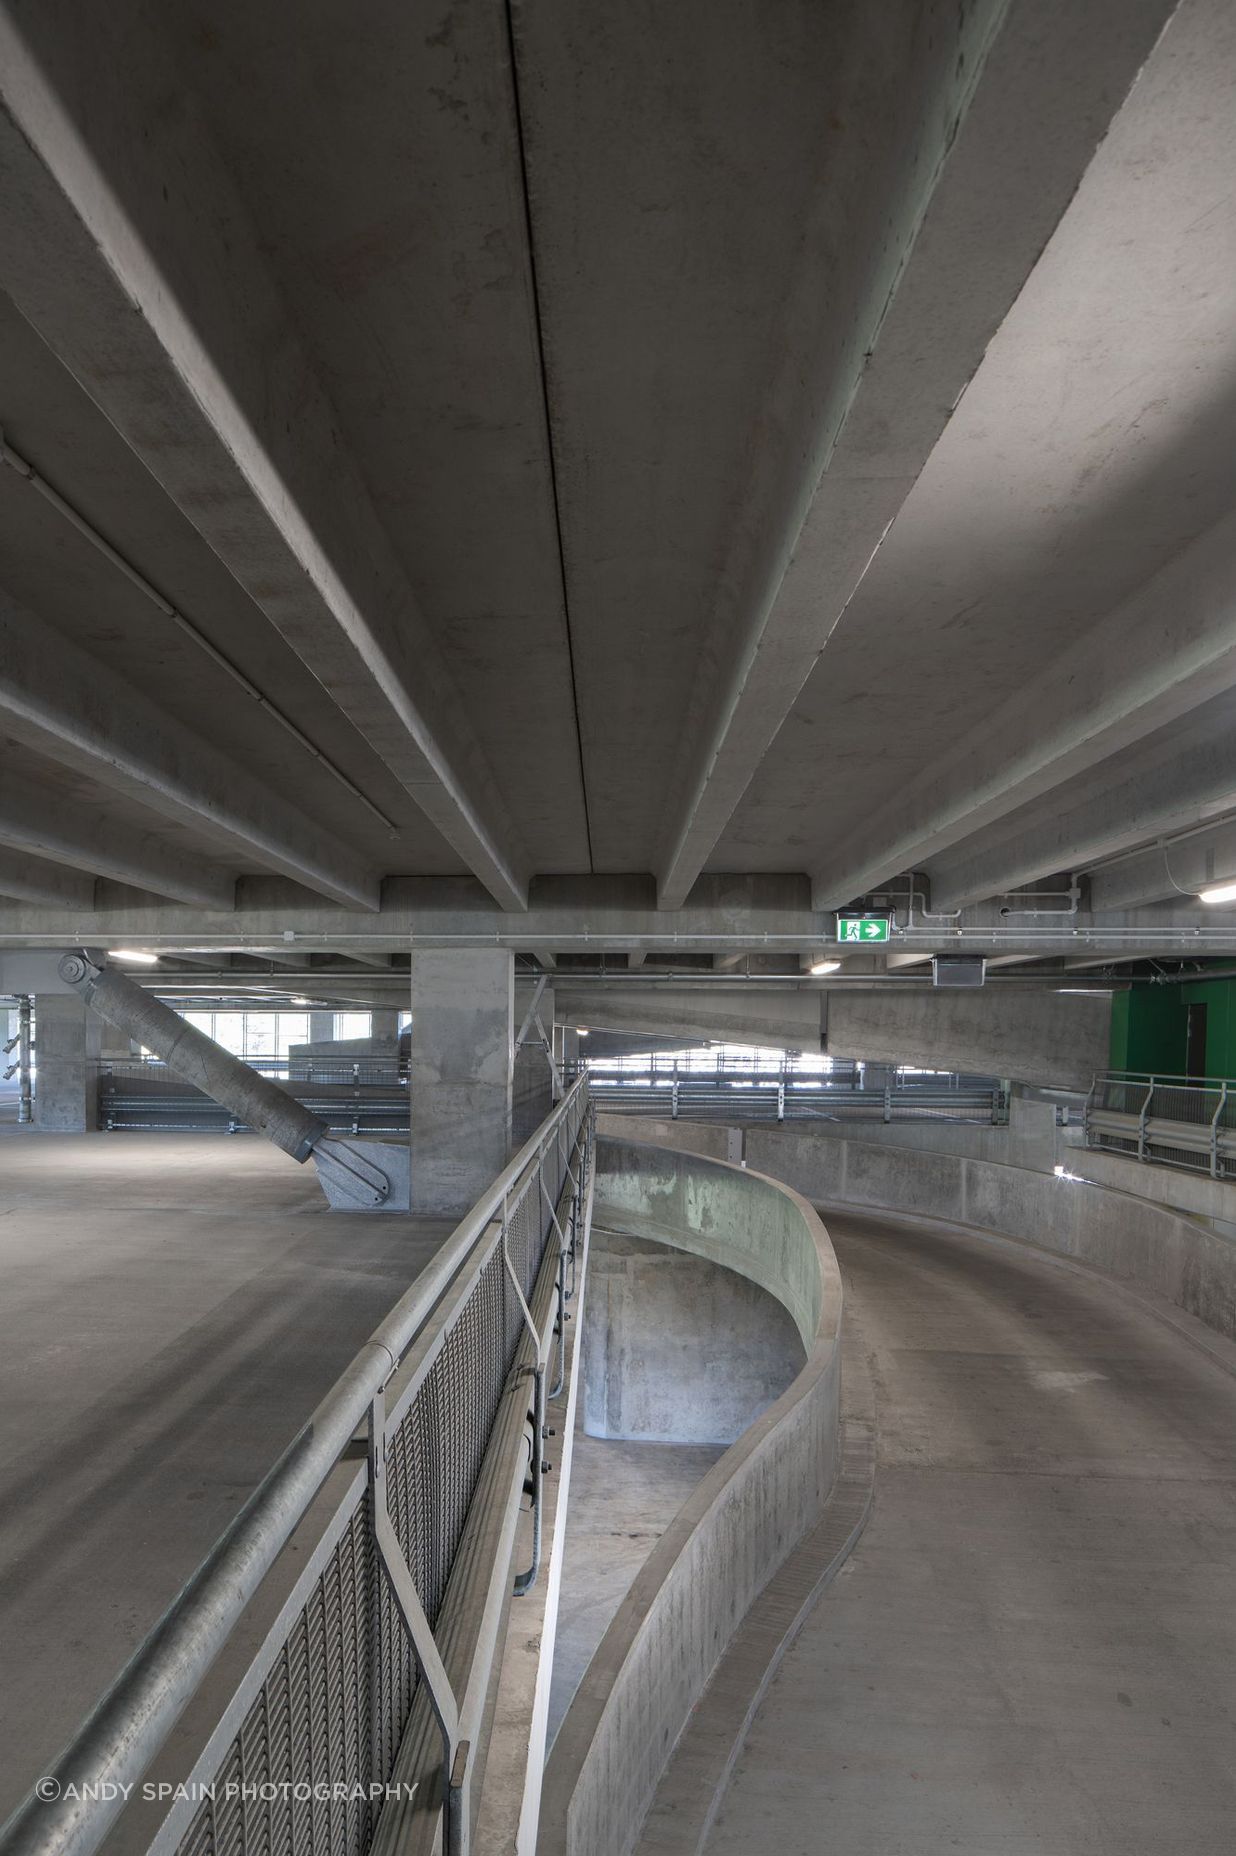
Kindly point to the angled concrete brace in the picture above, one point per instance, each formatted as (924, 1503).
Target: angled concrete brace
(355, 1175)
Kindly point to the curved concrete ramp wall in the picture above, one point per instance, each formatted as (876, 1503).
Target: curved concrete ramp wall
(677, 1349)
(747, 1514)
(1136, 1240)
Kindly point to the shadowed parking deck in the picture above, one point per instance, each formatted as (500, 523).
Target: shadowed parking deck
(173, 1309)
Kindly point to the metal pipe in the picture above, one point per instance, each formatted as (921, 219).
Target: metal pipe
(133, 1719)
(524, 1581)
(266, 1108)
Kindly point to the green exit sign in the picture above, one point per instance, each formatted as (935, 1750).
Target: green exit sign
(865, 928)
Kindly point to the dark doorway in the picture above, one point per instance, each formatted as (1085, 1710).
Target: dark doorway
(1195, 1042)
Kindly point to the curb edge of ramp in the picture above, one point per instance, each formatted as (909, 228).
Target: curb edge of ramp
(695, 1781)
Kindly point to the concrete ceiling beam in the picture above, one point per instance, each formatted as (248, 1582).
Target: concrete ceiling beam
(35, 820)
(1171, 787)
(1162, 653)
(135, 259)
(601, 915)
(1204, 860)
(780, 1020)
(996, 142)
(58, 700)
(610, 914)
(31, 879)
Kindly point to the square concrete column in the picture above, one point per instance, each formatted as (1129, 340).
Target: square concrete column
(321, 1027)
(460, 1074)
(384, 1032)
(67, 1041)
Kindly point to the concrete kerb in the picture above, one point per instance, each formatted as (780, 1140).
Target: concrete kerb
(694, 1785)
(739, 1527)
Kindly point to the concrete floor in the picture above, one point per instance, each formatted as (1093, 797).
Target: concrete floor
(623, 1497)
(1033, 1647)
(172, 1309)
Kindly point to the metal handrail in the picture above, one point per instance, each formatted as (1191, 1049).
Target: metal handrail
(133, 1719)
(783, 1095)
(1163, 1120)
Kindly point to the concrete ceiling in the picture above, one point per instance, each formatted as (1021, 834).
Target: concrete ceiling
(729, 456)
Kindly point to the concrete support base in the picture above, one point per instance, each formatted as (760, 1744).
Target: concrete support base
(460, 1074)
(68, 1040)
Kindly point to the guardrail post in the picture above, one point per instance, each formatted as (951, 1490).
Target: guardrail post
(458, 1827)
(1141, 1121)
(781, 1100)
(1214, 1131)
(408, 1604)
(674, 1101)
(888, 1102)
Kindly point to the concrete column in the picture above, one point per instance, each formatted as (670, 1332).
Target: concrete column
(460, 1074)
(67, 1040)
(321, 1027)
(385, 1032)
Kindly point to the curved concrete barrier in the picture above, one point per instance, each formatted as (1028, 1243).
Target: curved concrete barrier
(745, 1517)
(1133, 1239)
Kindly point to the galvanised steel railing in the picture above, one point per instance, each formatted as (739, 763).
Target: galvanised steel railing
(1170, 1120)
(357, 1662)
(794, 1095)
(352, 1095)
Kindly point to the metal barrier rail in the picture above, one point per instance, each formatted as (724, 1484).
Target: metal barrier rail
(1168, 1120)
(378, 1664)
(741, 1096)
(279, 1069)
(352, 1096)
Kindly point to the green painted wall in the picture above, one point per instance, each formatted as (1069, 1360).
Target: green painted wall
(1150, 1027)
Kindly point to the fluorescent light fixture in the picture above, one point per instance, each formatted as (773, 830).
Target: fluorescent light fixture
(583, 1031)
(1220, 892)
(825, 966)
(134, 954)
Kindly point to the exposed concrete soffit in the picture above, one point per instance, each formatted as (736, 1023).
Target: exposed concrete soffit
(154, 299)
(1115, 686)
(73, 709)
(1200, 861)
(595, 916)
(37, 821)
(1000, 154)
(30, 879)
(1178, 785)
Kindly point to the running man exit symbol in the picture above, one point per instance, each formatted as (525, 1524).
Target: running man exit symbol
(865, 928)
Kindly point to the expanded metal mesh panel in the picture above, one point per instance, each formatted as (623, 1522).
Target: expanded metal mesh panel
(290, 1782)
(435, 1454)
(334, 1707)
